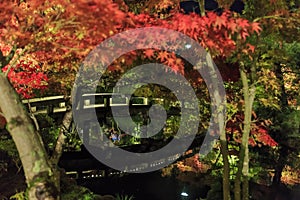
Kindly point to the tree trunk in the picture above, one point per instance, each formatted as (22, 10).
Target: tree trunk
(202, 7)
(283, 151)
(243, 165)
(60, 142)
(278, 173)
(283, 97)
(245, 185)
(38, 172)
(220, 101)
(226, 167)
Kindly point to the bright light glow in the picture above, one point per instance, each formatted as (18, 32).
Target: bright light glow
(184, 194)
(188, 46)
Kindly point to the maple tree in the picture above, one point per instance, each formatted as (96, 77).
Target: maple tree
(58, 35)
(253, 66)
(62, 29)
(249, 90)
(276, 58)
(43, 31)
(233, 29)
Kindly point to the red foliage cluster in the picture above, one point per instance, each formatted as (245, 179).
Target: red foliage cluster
(258, 134)
(192, 164)
(27, 77)
(63, 33)
(217, 33)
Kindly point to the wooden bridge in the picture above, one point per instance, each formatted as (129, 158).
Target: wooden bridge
(82, 164)
(102, 101)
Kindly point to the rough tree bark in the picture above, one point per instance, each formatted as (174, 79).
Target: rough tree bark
(221, 103)
(39, 175)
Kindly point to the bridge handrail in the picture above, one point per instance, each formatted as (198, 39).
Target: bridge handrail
(58, 103)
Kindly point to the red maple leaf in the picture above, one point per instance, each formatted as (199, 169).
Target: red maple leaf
(220, 21)
(243, 23)
(244, 35)
(149, 53)
(211, 16)
(232, 26)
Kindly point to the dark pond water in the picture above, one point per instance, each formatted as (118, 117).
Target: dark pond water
(146, 186)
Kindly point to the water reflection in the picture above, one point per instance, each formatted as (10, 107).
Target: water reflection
(147, 186)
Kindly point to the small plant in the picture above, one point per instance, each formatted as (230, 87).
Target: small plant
(124, 197)
(8, 151)
(19, 196)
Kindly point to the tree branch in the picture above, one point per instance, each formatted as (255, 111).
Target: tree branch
(273, 17)
(66, 123)
(15, 61)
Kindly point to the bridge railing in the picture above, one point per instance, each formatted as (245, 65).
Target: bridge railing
(97, 100)
(58, 104)
(46, 105)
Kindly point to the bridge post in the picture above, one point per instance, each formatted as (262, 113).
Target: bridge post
(86, 133)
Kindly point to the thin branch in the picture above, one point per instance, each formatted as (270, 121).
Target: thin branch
(66, 123)
(202, 7)
(288, 71)
(15, 61)
(36, 124)
(273, 17)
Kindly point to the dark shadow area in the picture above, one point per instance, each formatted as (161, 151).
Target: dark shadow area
(146, 186)
(210, 5)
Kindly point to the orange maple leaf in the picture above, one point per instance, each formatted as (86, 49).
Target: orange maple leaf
(170, 61)
(251, 47)
(255, 27)
(162, 55)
